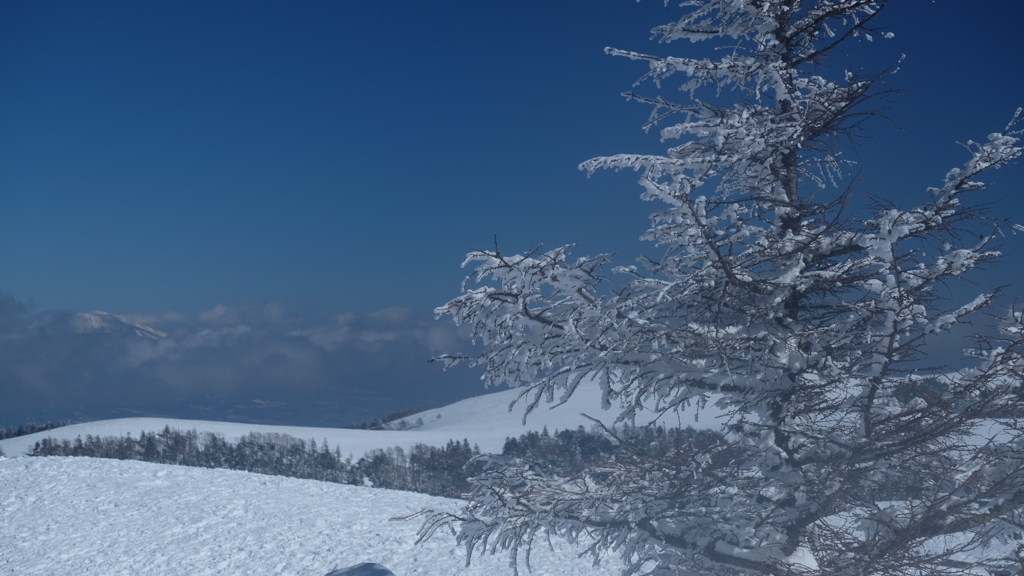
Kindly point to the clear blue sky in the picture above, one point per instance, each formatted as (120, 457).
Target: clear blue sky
(337, 159)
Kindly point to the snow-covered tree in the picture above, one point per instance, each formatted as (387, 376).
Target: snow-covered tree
(848, 448)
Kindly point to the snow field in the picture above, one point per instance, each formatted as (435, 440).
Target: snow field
(86, 516)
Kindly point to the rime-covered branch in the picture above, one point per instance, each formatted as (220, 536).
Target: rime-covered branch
(849, 448)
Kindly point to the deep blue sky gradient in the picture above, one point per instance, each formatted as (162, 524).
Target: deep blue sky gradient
(342, 157)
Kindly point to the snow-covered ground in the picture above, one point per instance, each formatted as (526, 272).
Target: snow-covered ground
(85, 516)
(484, 420)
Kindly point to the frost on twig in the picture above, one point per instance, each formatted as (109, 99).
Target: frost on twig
(847, 448)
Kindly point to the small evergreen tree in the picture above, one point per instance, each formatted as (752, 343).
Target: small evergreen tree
(808, 323)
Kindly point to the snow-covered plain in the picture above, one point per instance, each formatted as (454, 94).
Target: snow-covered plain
(86, 516)
(484, 420)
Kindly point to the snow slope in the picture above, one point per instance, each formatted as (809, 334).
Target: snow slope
(86, 516)
(484, 420)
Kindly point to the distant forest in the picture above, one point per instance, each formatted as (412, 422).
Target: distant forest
(428, 469)
(26, 429)
(439, 471)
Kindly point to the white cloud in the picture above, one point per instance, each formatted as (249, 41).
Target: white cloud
(142, 351)
(272, 313)
(392, 315)
(211, 338)
(219, 314)
(330, 338)
(92, 364)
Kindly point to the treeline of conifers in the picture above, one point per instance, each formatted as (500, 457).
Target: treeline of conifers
(439, 471)
(26, 429)
(428, 469)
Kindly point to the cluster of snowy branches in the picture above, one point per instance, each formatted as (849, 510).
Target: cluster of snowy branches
(808, 321)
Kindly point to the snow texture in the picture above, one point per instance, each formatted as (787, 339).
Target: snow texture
(94, 517)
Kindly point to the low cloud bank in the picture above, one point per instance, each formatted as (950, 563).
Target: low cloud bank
(265, 364)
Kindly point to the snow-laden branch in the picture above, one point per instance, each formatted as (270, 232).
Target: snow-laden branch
(849, 447)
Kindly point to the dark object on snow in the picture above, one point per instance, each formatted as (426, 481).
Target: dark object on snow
(364, 569)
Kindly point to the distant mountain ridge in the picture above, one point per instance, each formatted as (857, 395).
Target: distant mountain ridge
(106, 323)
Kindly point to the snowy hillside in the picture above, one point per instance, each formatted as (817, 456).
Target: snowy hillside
(484, 420)
(109, 517)
(86, 516)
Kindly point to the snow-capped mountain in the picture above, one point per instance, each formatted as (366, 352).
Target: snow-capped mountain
(106, 323)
